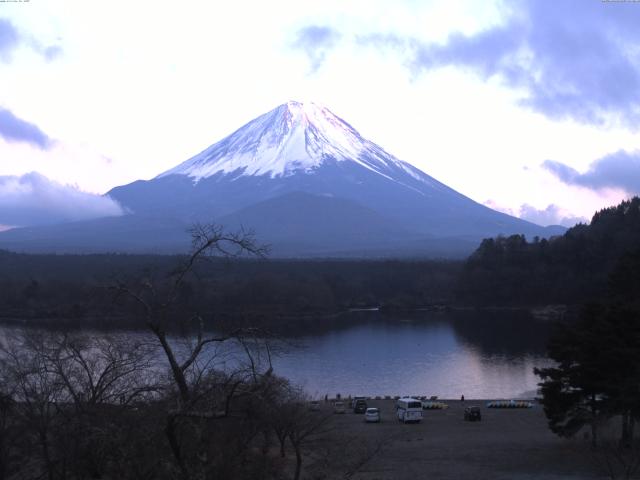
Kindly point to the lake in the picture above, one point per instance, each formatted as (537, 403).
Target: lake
(476, 354)
(444, 354)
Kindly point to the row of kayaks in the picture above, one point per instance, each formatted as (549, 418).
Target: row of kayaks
(493, 404)
(438, 405)
(509, 404)
(434, 405)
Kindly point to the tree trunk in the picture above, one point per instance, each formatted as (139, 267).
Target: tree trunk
(296, 447)
(47, 457)
(282, 440)
(172, 437)
(178, 374)
(594, 422)
(3, 457)
(625, 441)
(267, 442)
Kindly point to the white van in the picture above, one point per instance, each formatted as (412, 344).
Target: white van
(409, 409)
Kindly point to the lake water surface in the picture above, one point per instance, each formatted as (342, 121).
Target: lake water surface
(446, 354)
(478, 355)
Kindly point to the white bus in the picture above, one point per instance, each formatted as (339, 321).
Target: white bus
(409, 410)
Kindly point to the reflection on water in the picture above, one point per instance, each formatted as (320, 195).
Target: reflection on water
(446, 355)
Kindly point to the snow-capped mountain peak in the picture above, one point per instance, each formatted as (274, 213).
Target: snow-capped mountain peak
(294, 137)
(306, 182)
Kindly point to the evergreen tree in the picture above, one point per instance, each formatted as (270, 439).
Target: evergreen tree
(597, 374)
(574, 391)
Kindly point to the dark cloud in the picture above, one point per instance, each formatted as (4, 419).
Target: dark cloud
(487, 52)
(576, 59)
(14, 129)
(9, 39)
(564, 172)
(316, 41)
(33, 199)
(617, 170)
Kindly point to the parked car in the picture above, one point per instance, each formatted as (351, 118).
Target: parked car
(360, 406)
(472, 414)
(409, 409)
(314, 405)
(372, 415)
(339, 407)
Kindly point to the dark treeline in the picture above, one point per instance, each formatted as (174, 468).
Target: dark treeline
(75, 288)
(569, 269)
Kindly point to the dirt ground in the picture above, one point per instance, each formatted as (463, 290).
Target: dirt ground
(506, 444)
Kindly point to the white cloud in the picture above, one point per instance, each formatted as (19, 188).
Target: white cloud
(33, 199)
(550, 215)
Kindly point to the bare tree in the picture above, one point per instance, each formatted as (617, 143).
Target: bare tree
(68, 394)
(37, 394)
(157, 303)
(201, 390)
(290, 418)
(101, 369)
(9, 433)
(614, 458)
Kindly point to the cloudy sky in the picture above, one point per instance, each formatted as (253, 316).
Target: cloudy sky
(528, 106)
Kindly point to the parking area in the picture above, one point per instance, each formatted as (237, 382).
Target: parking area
(509, 443)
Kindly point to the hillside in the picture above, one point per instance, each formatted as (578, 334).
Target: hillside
(571, 268)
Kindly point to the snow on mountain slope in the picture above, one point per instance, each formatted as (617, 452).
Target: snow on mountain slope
(292, 138)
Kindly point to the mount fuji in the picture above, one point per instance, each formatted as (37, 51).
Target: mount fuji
(307, 182)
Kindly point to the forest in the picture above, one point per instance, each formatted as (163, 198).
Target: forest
(503, 271)
(569, 269)
(75, 289)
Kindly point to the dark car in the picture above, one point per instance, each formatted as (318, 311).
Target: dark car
(360, 406)
(472, 414)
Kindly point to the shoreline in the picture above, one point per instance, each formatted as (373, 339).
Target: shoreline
(280, 320)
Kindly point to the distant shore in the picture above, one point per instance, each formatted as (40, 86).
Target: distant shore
(542, 313)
